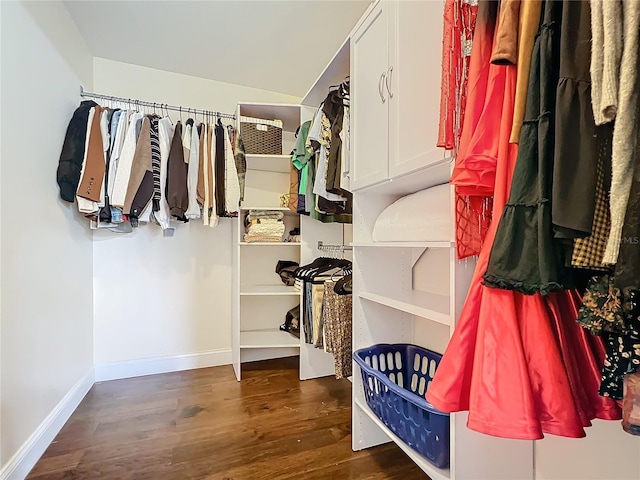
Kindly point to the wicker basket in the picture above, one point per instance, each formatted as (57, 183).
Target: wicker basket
(261, 137)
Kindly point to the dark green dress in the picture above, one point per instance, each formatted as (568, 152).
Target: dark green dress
(525, 256)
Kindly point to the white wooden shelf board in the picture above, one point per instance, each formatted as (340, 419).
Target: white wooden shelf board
(271, 244)
(269, 338)
(269, 163)
(437, 173)
(268, 290)
(437, 244)
(285, 210)
(423, 304)
(433, 472)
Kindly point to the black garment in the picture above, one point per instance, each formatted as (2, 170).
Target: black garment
(628, 265)
(623, 349)
(72, 154)
(333, 108)
(576, 139)
(177, 170)
(525, 256)
(221, 207)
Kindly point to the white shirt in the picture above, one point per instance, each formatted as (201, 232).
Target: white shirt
(121, 129)
(193, 211)
(123, 175)
(231, 176)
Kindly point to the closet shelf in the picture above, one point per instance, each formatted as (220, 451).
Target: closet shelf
(269, 163)
(423, 304)
(269, 338)
(288, 113)
(268, 290)
(436, 173)
(271, 244)
(284, 210)
(438, 244)
(433, 472)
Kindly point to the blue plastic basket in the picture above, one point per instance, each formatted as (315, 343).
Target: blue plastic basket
(395, 378)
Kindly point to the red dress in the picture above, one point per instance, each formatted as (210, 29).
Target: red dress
(520, 364)
(473, 174)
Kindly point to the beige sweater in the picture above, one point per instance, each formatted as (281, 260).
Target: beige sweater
(606, 54)
(625, 132)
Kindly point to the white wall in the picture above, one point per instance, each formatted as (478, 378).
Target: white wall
(157, 298)
(46, 254)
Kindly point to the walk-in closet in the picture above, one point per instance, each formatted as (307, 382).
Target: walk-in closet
(320, 239)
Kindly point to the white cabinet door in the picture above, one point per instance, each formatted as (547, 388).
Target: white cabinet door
(415, 52)
(369, 99)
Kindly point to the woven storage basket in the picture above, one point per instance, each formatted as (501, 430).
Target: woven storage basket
(261, 137)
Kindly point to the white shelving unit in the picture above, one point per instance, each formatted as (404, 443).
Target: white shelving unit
(261, 300)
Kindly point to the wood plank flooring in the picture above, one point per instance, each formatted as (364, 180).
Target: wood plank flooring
(203, 424)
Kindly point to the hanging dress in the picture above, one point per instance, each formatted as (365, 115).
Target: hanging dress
(474, 170)
(519, 364)
(525, 256)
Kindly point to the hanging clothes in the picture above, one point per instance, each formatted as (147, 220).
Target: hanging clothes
(524, 256)
(627, 124)
(505, 47)
(73, 151)
(474, 175)
(94, 166)
(176, 186)
(166, 133)
(530, 11)
(577, 141)
(520, 364)
(193, 175)
(211, 173)
(114, 161)
(140, 186)
(459, 25)
(219, 171)
(338, 326)
(232, 186)
(588, 253)
(606, 54)
(123, 175)
(84, 205)
(241, 164)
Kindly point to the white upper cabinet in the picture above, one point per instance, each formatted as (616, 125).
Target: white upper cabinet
(395, 91)
(369, 99)
(413, 78)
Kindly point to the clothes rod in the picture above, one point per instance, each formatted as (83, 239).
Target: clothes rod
(138, 103)
(334, 248)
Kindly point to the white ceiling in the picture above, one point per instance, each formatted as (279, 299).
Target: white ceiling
(271, 44)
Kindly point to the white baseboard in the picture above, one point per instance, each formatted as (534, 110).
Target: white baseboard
(151, 366)
(19, 466)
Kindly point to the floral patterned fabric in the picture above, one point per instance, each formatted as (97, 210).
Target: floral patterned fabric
(616, 316)
(601, 309)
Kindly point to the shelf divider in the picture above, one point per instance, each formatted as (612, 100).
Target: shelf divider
(268, 338)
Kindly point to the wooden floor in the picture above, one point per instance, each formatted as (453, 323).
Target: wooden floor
(203, 424)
